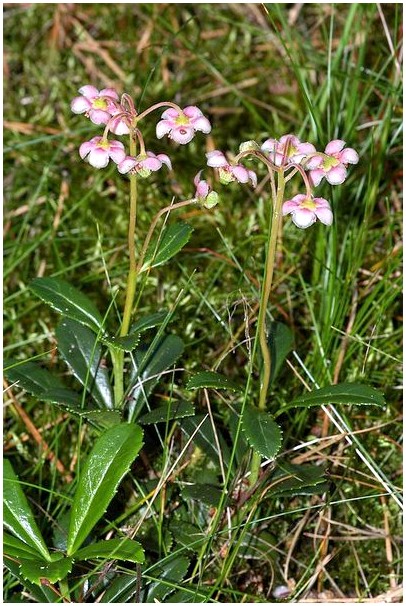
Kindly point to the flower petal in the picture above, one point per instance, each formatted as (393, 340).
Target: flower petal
(240, 173)
(202, 124)
(109, 92)
(334, 146)
(99, 116)
(126, 165)
(269, 145)
(163, 128)
(336, 175)
(182, 134)
(151, 163)
(324, 215)
(170, 114)
(99, 158)
(80, 105)
(119, 127)
(89, 91)
(165, 160)
(303, 217)
(349, 156)
(316, 176)
(216, 159)
(192, 112)
(253, 178)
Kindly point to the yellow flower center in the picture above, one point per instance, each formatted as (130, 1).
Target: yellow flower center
(309, 204)
(330, 162)
(182, 120)
(99, 103)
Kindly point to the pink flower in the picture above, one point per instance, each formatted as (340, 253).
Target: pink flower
(181, 126)
(230, 172)
(97, 105)
(118, 126)
(204, 193)
(288, 150)
(332, 166)
(99, 151)
(143, 164)
(305, 210)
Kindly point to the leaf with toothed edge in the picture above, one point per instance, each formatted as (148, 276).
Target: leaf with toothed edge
(212, 380)
(262, 432)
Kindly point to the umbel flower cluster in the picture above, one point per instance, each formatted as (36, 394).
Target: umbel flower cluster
(285, 156)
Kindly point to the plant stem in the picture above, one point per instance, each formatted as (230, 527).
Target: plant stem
(118, 356)
(266, 291)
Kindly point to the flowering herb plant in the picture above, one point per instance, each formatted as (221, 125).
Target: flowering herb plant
(113, 401)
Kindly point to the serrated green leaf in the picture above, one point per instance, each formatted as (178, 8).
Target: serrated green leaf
(174, 238)
(262, 432)
(342, 393)
(149, 366)
(174, 410)
(51, 571)
(149, 321)
(69, 301)
(41, 594)
(108, 462)
(16, 548)
(113, 549)
(127, 343)
(189, 594)
(212, 380)
(121, 589)
(205, 493)
(33, 378)
(80, 349)
(280, 341)
(168, 573)
(292, 480)
(17, 514)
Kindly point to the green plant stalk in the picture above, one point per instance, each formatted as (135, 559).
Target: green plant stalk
(118, 356)
(266, 291)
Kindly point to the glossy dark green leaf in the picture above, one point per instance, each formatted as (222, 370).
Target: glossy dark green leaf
(128, 343)
(204, 493)
(108, 462)
(32, 377)
(280, 341)
(113, 549)
(16, 548)
(262, 432)
(149, 367)
(292, 480)
(190, 594)
(17, 514)
(212, 380)
(68, 300)
(36, 593)
(121, 590)
(342, 393)
(173, 410)
(149, 321)
(169, 573)
(53, 571)
(81, 351)
(173, 239)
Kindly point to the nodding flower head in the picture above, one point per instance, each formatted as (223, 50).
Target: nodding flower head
(99, 151)
(333, 164)
(204, 193)
(97, 105)
(143, 164)
(181, 125)
(288, 150)
(230, 172)
(306, 210)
